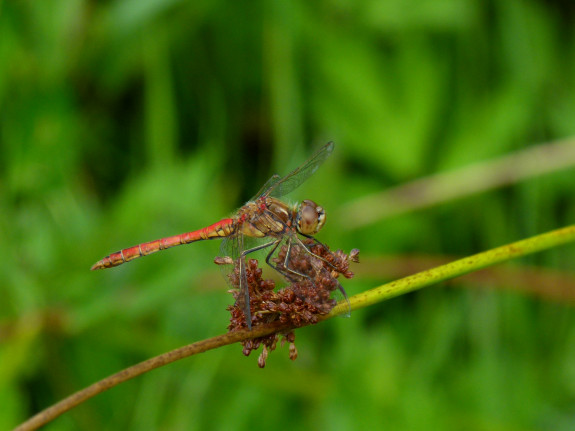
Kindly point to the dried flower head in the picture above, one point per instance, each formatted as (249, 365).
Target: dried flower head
(311, 270)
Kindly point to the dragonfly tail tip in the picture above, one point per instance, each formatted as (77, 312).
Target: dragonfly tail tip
(97, 265)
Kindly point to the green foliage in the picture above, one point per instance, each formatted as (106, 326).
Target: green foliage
(126, 121)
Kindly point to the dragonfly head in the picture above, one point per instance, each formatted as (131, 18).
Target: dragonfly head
(310, 218)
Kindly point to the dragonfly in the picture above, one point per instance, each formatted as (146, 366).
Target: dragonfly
(264, 220)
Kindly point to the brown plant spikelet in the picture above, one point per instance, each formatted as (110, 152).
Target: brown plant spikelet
(312, 273)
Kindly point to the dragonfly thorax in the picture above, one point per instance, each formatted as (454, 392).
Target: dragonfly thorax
(310, 218)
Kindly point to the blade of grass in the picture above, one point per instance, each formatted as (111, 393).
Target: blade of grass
(466, 181)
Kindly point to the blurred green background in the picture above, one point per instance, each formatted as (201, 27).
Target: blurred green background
(126, 121)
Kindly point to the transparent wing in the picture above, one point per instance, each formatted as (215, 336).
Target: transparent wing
(278, 187)
(230, 246)
(234, 245)
(269, 185)
(234, 271)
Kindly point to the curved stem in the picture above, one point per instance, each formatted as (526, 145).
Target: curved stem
(52, 412)
(364, 299)
(455, 269)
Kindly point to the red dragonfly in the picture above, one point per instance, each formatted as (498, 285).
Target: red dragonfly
(264, 217)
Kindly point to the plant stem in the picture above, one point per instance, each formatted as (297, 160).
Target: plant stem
(457, 268)
(378, 294)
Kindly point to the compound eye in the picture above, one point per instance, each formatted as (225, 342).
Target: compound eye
(320, 218)
(311, 218)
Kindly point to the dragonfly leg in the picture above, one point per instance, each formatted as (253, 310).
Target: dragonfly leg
(246, 293)
(244, 279)
(340, 287)
(289, 273)
(286, 270)
(313, 254)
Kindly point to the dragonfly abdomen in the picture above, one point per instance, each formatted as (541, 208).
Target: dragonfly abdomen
(219, 229)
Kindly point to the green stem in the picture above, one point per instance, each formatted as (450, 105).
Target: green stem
(457, 268)
(378, 294)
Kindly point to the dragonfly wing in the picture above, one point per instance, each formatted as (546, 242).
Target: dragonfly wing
(235, 272)
(232, 247)
(229, 248)
(280, 187)
(270, 184)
